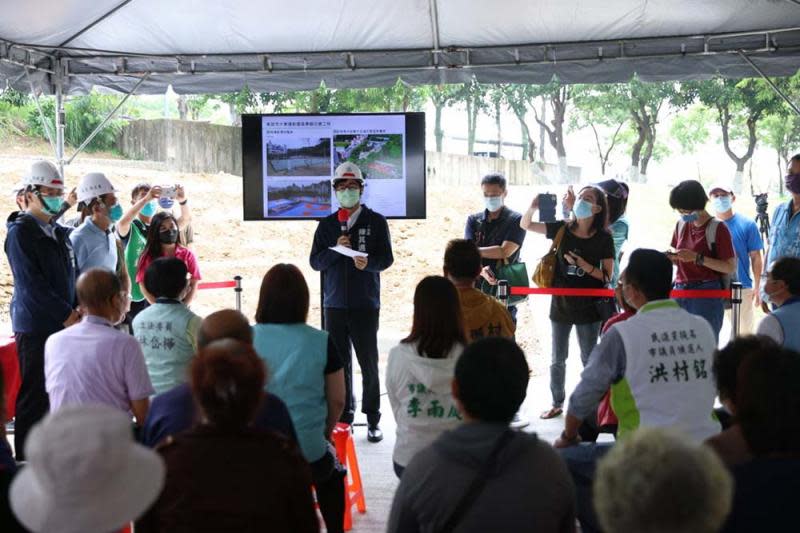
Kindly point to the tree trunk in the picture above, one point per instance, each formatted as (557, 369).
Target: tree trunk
(525, 141)
(563, 170)
(650, 142)
(183, 107)
(438, 132)
(499, 129)
(724, 120)
(234, 116)
(470, 127)
(542, 131)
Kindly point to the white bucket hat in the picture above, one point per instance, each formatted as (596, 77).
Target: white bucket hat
(347, 171)
(85, 474)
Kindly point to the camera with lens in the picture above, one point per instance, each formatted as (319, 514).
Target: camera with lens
(761, 203)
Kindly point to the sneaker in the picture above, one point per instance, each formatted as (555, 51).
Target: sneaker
(374, 434)
(518, 422)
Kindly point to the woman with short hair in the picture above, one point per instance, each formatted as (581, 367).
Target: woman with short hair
(307, 374)
(224, 475)
(420, 370)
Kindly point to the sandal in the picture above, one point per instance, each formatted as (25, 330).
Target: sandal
(551, 413)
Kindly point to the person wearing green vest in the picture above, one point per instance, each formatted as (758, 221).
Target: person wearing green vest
(167, 330)
(132, 231)
(658, 364)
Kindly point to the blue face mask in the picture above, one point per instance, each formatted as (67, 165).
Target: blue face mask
(691, 217)
(115, 212)
(582, 209)
(149, 209)
(722, 203)
(493, 203)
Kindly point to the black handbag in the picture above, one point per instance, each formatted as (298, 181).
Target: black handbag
(605, 306)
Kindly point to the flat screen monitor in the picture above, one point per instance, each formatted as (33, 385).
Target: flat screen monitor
(288, 161)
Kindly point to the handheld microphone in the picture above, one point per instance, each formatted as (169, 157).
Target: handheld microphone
(343, 216)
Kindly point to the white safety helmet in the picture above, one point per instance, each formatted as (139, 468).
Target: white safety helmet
(92, 185)
(347, 171)
(44, 173)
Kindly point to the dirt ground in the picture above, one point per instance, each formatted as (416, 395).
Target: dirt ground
(226, 246)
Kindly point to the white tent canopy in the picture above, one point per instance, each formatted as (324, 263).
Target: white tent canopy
(200, 46)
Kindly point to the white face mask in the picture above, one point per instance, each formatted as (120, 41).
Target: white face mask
(493, 203)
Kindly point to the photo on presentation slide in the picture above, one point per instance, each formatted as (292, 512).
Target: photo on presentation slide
(293, 155)
(298, 198)
(379, 156)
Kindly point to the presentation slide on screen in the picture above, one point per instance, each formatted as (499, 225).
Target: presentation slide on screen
(301, 153)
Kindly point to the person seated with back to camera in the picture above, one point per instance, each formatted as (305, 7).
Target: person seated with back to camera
(224, 475)
(657, 365)
(94, 363)
(483, 315)
(174, 411)
(482, 476)
(767, 411)
(308, 375)
(167, 330)
(782, 290)
(658, 480)
(420, 370)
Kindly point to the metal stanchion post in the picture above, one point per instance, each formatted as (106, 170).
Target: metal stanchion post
(736, 306)
(502, 291)
(238, 291)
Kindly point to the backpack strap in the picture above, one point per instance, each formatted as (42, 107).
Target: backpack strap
(711, 235)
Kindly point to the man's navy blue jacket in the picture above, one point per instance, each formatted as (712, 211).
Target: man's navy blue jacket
(346, 287)
(44, 275)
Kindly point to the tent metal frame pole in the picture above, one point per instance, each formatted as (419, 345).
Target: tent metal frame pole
(771, 83)
(434, 11)
(105, 121)
(45, 121)
(58, 83)
(95, 23)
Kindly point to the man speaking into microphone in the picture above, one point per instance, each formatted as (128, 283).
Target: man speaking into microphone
(351, 287)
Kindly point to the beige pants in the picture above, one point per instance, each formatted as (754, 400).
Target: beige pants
(746, 314)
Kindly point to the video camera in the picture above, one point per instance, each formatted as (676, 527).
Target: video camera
(762, 217)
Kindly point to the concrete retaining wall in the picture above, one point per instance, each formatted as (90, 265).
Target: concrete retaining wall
(201, 147)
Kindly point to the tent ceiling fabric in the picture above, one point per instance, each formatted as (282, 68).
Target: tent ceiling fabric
(202, 46)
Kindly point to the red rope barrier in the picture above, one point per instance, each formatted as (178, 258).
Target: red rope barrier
(701, 293)
(216, 285)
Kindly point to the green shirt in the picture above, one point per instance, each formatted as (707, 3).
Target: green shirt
(137, 237)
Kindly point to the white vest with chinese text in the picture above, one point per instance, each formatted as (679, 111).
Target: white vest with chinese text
(668, 380)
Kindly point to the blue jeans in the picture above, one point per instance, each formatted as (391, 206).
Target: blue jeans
(712, 309)
(581, 462)
(587, 339)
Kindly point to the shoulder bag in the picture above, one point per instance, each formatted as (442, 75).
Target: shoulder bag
(546, 269)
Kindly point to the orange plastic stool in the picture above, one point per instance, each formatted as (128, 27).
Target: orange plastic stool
(353, 490)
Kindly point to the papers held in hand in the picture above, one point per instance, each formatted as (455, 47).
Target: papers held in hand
(349, 252)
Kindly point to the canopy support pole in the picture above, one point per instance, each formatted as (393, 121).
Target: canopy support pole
(434, 12)
(770, 82)
(58, 82)
(105, 120)
(45, 121)
(94, 23)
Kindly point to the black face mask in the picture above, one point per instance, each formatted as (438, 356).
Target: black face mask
(169, 236)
